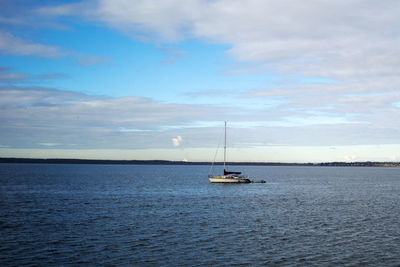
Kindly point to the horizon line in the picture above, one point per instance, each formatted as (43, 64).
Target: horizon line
(183, 162)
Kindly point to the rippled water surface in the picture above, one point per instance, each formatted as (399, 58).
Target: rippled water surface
(171, 215)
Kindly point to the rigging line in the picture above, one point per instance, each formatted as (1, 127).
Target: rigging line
(215, 156)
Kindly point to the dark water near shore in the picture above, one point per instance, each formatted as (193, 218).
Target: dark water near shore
(171, 215)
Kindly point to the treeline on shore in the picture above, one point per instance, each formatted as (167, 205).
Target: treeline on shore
(167, 162)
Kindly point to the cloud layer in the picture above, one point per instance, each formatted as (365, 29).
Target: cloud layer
(337, 39)
(34, 117)
(353, 46)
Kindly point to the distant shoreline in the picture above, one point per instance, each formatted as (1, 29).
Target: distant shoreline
(168, 162)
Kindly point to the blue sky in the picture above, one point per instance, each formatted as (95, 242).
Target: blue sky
(156, 79)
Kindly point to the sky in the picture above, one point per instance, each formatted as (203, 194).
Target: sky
(297, 81)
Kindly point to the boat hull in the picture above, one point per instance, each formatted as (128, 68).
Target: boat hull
(229, 180)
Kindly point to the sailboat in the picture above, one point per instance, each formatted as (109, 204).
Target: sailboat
(228, 177)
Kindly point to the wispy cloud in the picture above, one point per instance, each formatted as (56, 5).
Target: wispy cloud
(7, 76)
(62, 10)
(173, 54)
(52, 76)
(32, 16)
(213, 93)
(50, 144)
(10, 44)
(86, 61)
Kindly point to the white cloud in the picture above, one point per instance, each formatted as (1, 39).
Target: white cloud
(346, 40)
(260, 30)
(350, 157)
(176, 141)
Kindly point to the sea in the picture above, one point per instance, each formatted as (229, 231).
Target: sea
(170, 215)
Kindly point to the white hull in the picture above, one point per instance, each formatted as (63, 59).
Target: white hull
(228, 179)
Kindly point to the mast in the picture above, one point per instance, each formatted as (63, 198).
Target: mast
(225, 148)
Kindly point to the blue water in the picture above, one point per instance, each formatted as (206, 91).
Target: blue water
(171, 215)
